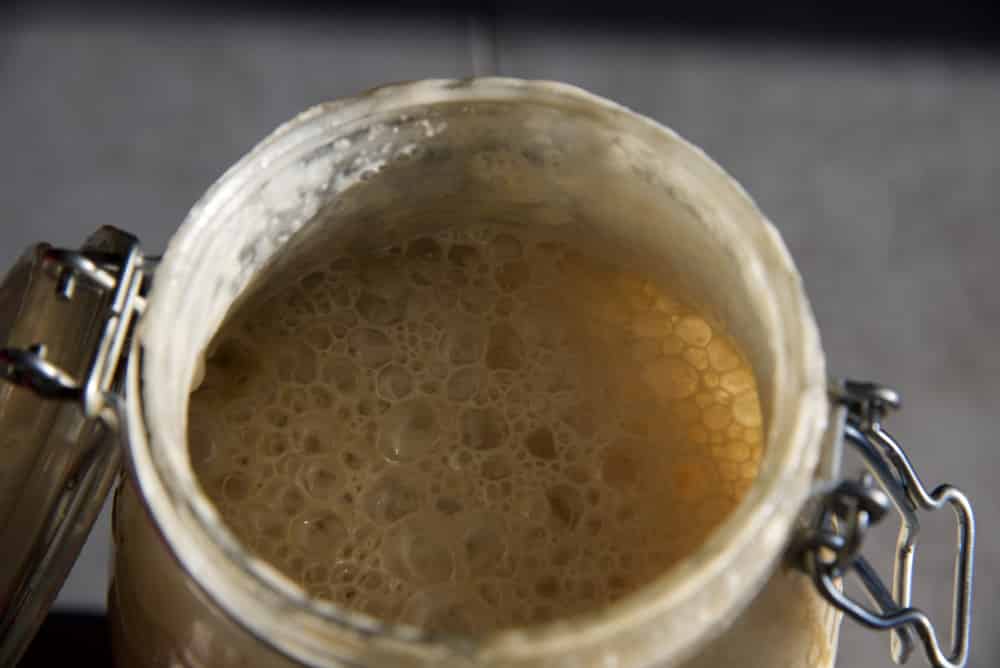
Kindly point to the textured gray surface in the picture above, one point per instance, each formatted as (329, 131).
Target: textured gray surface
(879, 168)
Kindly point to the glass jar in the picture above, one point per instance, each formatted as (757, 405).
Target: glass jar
(402, 151)
(185, 593)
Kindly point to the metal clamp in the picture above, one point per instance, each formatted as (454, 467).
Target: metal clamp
(122, 276)
(829, 546)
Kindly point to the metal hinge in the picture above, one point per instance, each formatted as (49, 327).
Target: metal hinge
(121, 277)
(828, 546)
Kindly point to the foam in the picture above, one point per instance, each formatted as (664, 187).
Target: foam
(477, 429)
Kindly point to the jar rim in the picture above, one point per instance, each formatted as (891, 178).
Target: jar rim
(292, 622)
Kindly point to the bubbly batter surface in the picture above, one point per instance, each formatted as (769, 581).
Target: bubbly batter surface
(474, 430)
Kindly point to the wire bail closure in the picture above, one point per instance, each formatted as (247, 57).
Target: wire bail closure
(829, 546)
(120, 275)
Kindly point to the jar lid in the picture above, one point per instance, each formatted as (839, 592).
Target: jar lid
(58, 458)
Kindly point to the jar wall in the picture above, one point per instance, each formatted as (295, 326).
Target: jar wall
(160, 618)
(158, 615)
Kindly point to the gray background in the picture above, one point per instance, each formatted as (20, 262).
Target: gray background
(880, 168)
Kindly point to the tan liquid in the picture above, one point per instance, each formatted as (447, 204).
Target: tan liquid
(474, 430)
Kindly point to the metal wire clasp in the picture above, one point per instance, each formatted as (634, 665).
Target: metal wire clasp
(120, 275)
(828, 547)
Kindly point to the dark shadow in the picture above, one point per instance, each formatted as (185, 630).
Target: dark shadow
(956, 24)
(70, 640)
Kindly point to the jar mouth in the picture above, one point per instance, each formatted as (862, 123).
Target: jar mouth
(260, 210)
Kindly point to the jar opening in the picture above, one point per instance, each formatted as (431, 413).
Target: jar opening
(511, 153)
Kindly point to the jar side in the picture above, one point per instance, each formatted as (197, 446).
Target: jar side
(175, 624)
(159, 617)
(788, 624)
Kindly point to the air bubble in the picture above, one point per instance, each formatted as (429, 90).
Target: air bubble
(423, 255)
(484, 548)
(391, 498)
(746, 410)
(697, 358)
(671, 378)
(426, 558)
(448, 506)
(737, 381)
(352, 460)
(459, 459)
(491, 593)
(275, 444)
(505, 349)
(566, 505)
(576, 475)
(475, 300)
(344, 572)
(372, 580)
(722, 355)
(202, 448)
(380, 311)
(532, 505)
(372, 347)
(547, 587)
(464, 256)
(316, 574)
(383, 278)
(292, 502)
(272, 527)
(506, 247)
(342, 322)
(312, 281)
(717, 417)
(235, 487)
(464, 384)
(408, 430)
(464, 344)
(234, 361)
(276, 417)
(483, 429)
(496, 467)
(239, 413)
(394, 383)
(541, 444)
(505, 306)
(512, 276)
(319, 534)
(321, 397)
(343, 375)
(694, 331)
(564, 555)
(295, 400)
(304, 370)
(541, 614)
(320, 482)
(447, 611)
